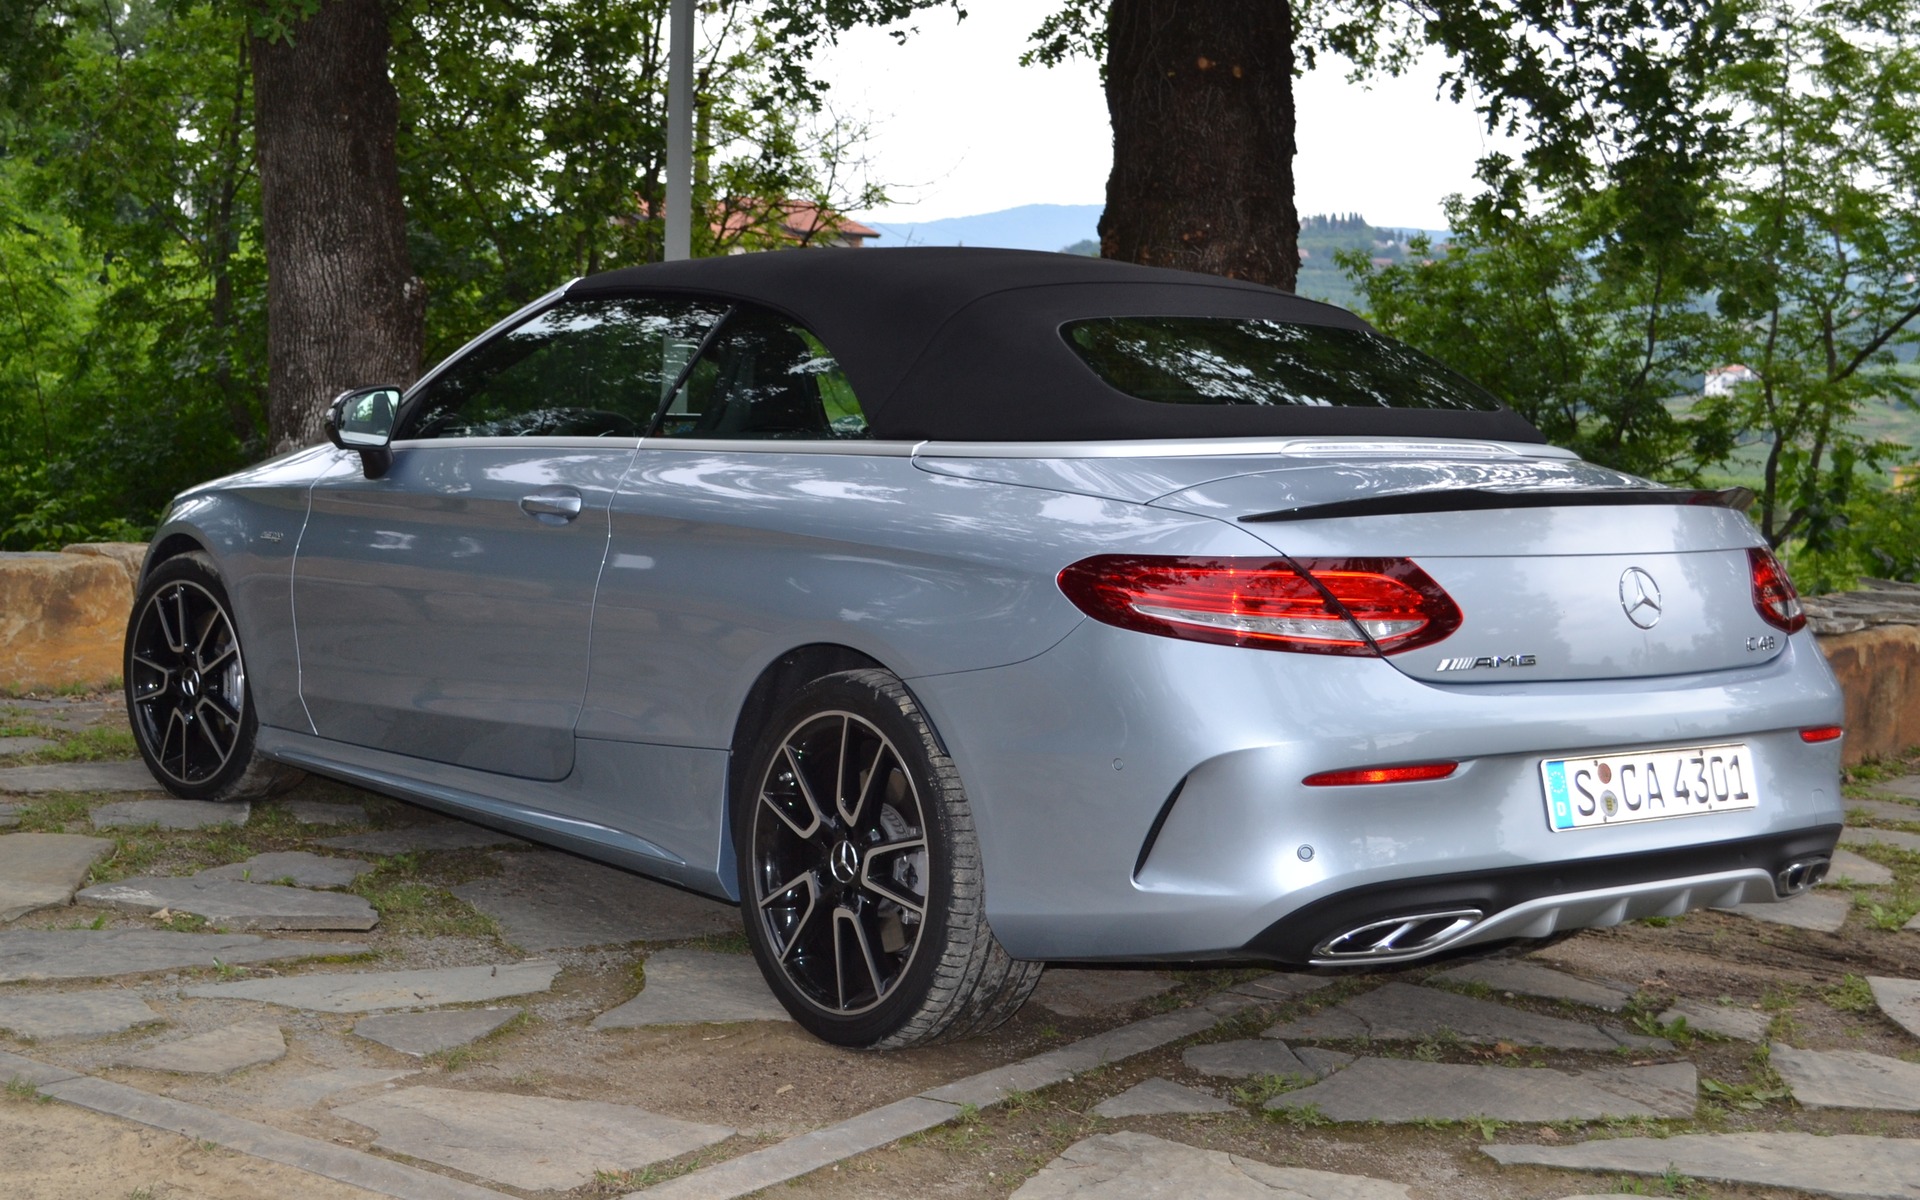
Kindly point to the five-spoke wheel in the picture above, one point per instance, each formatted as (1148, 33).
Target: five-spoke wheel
(860, 875)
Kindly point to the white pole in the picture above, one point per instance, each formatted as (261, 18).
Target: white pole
(680, 131)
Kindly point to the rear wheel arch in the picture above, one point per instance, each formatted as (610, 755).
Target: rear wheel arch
(783, 678)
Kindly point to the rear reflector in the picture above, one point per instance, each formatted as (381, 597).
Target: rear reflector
(1411, 774)
(1312, 606)
(1773, 595)
(1821, 733)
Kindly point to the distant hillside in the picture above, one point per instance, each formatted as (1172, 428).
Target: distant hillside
(1029, 227)
(1322, 235)
(1070, 227)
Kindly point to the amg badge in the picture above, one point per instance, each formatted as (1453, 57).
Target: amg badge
(1486, 660)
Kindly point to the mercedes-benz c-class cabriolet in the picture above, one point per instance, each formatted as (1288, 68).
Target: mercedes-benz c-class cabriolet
(955, 611)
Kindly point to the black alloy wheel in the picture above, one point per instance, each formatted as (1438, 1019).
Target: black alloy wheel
(187, 693)
(860, 874)
(840, 863)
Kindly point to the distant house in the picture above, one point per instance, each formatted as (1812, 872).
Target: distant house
(1722, 380)
(743, 223)
(796, 222)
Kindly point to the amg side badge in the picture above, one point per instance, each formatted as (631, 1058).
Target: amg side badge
(1487, 660)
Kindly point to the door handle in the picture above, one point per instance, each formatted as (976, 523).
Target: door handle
(554, 506)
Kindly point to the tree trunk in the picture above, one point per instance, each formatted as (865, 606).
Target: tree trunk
(344, 308)
(1201, 97)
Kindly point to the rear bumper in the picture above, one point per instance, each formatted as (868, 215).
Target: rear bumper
(1139, 797)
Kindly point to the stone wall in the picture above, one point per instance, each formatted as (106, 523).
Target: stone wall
(63, 616)
(1872, 640)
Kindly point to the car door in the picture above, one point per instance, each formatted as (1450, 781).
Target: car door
(443, 610)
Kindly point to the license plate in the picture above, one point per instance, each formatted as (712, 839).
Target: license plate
(1648, 785)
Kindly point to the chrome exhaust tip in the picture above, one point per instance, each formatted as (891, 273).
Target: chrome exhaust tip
(1802, 875)
(1397, 937)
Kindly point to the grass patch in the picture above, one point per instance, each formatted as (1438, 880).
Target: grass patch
(408, 905)
(53, 813)
(97, 743)
(1852, 994)
(23, 1091)
(133, 853)
(1262, 1088)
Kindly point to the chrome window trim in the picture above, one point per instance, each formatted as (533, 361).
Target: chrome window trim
(501, 326)
(858, 446)
(1314, 447)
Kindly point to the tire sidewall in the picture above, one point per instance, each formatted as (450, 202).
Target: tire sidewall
(914, 740)
(195, 568)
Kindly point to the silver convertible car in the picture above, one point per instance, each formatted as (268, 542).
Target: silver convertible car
(955, 611)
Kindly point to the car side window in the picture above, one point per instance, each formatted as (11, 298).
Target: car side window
(764, 377)
(584, 368)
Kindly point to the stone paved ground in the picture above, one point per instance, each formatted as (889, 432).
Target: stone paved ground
(490, 1036)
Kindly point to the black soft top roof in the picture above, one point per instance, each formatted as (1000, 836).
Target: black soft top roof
(963, 344)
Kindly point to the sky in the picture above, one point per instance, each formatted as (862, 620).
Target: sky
(959, 127)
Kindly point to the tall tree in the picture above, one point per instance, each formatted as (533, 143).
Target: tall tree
(1201, 99)
(344, 307)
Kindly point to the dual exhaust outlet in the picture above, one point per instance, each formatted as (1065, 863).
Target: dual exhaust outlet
(1409, 935)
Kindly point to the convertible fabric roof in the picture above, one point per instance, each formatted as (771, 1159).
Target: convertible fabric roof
(963, 344)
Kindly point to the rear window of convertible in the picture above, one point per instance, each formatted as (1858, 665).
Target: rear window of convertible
(1259, 361)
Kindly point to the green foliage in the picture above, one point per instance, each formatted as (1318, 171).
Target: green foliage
(1594, 295)
(531, 141)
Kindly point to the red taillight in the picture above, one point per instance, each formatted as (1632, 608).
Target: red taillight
(1773, 595)
(1821, 733)
(1410, 774)
(1319, 608)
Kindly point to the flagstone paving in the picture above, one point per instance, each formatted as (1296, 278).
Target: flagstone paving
(1078, 992)
(1853, 1166)
(103, 953)
(168, 814)
(687, 987)
(1823, 912)
(1139, 1166)
(1854, 835)
(1280, 985)
(1885, 810)
(305, 1091)
(230, 904)
(1156, 1096)
(447, 835)
(529, 1142)
(424, 1033)
(321, 812)
(216, 1052)
(297, 867)
(1899, 999)
(1849, 867)
(547, 900)
(1906, 785)
(41, 870)
(79, 777)
(1403, 1012)
(1848, 1079)
(1532, 979)
(24, 745)
(1247, 1059)
(370, 991)
(43, 1015)
(1397, 1090)
(1741, 1024)
(9, 815)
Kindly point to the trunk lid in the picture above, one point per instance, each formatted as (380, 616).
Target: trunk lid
(1562, 570)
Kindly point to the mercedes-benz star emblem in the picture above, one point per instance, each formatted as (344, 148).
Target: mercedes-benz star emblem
(1640, 596)
(845, 862)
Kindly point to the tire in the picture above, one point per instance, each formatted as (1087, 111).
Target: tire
(186, 684)
(860, 878)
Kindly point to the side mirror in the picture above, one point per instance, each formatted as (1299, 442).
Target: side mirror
(362, 420)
